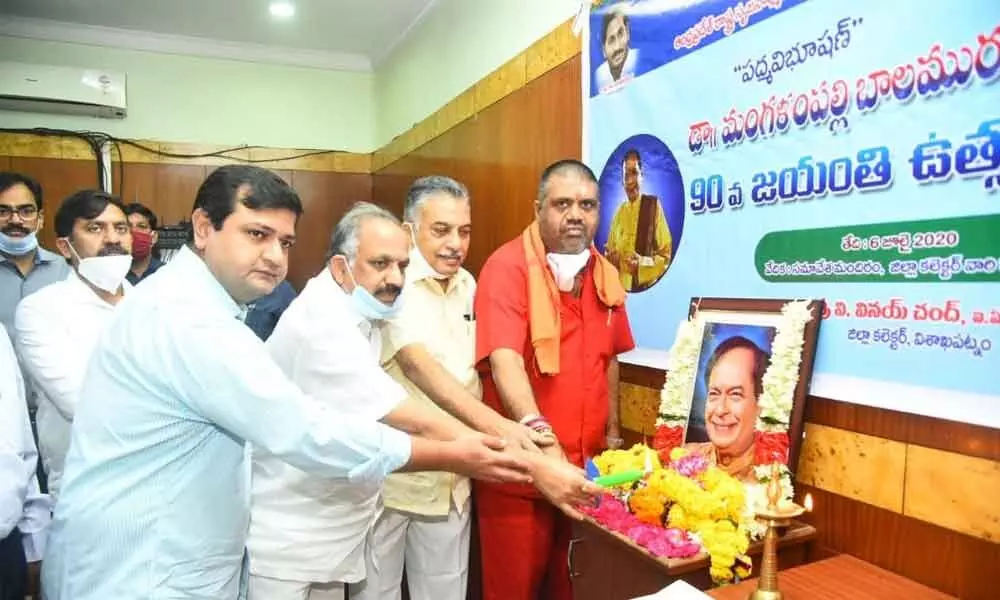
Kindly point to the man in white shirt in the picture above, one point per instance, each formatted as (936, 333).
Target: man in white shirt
(57, 327)
(155, 500)
(308, 535)
(24, 511)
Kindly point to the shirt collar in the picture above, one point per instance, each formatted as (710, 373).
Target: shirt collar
(42, 256)
(197, 273)
(45, 256)
(342, 302)
(87, 293)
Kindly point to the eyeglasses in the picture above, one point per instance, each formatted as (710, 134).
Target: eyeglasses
(26, 212)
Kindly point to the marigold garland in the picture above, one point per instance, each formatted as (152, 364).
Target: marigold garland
(698, 503)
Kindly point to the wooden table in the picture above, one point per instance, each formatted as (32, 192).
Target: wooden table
(839, 577)
(608, 566)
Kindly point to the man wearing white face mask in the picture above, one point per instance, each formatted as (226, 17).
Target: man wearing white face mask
(57, 327)
(550, 324)
(307, 533)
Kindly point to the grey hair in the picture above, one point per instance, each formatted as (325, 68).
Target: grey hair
(424, 187)
(344, 239)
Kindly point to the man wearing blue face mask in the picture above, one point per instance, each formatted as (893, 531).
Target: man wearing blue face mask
(308, 534)
(57, 328)
(25, 268)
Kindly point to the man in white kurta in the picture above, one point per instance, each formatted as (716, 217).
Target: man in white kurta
(307, 534)
(57, 327)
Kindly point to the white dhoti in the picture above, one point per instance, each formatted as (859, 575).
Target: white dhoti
(435, 551)
(265, 588)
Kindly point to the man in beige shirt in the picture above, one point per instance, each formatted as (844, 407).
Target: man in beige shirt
(430, 347)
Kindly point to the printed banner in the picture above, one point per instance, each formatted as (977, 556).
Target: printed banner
(847, 151)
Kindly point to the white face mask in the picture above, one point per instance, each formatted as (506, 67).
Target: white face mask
(416, 256)
(367, 305)
(565, 267)
(104, 272)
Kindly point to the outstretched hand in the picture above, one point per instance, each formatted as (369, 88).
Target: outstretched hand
(524, 437)
(564, 484)
(482, 457)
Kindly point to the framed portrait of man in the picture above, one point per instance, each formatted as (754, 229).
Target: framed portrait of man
(741, 417)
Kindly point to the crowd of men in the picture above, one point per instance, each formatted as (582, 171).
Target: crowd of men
(205, 432)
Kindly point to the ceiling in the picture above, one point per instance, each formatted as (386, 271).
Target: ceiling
(337, 34)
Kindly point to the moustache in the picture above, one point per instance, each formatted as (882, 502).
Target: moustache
(15, 228)
(450, 256)
(112, 250)
(392, 289)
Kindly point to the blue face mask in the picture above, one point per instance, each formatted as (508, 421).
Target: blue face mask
(370, 307)
(18, 246)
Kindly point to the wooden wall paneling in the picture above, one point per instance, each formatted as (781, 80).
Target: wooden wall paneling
(499, 154)
(137, 185)
(176, 188)
(642, 375)
(389, 192)
(4, 163)
(956, 564)
(59, 178)
(326, 197)
(950, 436)
(859, 466)
(954, 491)
(285, 174)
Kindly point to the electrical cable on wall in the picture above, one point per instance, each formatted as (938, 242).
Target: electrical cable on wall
(97, 140)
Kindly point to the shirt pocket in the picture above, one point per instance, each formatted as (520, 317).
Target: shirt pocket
(468, 339)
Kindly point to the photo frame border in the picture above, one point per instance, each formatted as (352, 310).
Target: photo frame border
(810, 336)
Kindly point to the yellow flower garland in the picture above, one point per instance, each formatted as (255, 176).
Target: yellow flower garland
(710, 504)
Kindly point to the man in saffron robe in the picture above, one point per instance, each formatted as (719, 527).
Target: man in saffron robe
(639, 241)
(550, 323)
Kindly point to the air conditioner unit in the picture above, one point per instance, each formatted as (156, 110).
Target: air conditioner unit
(62, 90)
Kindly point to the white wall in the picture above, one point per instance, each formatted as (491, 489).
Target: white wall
(456, 45)
(213, 101)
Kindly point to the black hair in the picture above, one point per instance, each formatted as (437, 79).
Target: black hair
(563, 167)
(253, 186)
(9, 179)
(85, 204)
(135, 208)
(760, 360)
(632, 153)
(606, 23)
